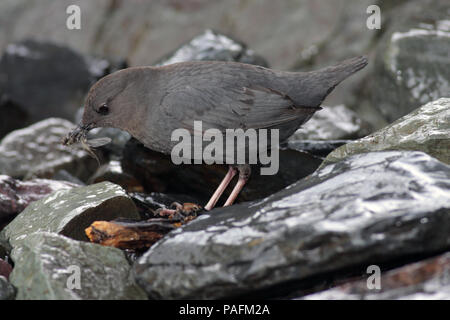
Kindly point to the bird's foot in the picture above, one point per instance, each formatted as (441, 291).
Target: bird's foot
(177, 211)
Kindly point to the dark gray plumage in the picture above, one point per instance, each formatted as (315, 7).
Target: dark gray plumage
(151, 102)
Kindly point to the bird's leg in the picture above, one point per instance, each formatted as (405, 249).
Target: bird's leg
(244, 175)
(221, 188)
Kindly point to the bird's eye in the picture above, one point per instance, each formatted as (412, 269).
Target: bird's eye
(103, 110)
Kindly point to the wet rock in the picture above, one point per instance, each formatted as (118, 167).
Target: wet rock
(69, 212)
(424, 280)
(31, 70)
(158, 174)
(7, 291)
(47, 265)
(36, 151)
(112, 172)
(332, 123)
(16, 195)
(426, 129)
(211, 45)
(367, 208)
(412, 64)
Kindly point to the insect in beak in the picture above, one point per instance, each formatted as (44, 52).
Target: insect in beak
(78, 137)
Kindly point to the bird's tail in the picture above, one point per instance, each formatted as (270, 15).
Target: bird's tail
(339, 72)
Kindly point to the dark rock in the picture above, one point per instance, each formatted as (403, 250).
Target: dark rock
(316, 147)
(426, 129)
(16, 195)
(424, 280)
(4, 248)
(44, 79)
(413, 62)
(211, 45)
(158, 174)
(36, 151)
(13, 116)
(5, 269)
(46, 262)
(39, 80)
(63, 175)
(112, 172)
(367, 208)
(7, 291)
(70, 212)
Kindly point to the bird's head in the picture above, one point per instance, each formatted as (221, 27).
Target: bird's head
(108, 101)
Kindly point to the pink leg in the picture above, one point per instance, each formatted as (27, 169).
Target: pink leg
(237, 188)
(223, 185)
(244, 175)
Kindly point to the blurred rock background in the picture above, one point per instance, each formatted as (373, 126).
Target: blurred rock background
(380, 197)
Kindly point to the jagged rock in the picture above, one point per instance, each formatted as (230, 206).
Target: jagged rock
(426, 129)
(36, 151)
(424, 280)
(211, 45)
(47, 264)
(7, 291)
(158, 173)
(69, 212)
(412, 65)
(371, 207)
(16, 195)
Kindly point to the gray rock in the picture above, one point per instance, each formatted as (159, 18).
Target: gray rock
(36, 151)
(370, 207)
(69, 212)
(426, 129)
(17, 195)
(331, 123)
(211, 45)
(46, 266)
(7, 291)
(44, 79)
(413, 60)
(424, 280)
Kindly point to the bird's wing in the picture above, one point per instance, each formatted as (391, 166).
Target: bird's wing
(232, 107)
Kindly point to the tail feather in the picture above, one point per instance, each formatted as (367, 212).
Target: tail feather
(337, 73)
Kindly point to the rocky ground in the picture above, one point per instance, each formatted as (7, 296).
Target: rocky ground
(366, 182)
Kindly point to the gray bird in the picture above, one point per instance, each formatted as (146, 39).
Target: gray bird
(151, 102)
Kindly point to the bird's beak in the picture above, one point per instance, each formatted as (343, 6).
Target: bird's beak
(77, 134)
